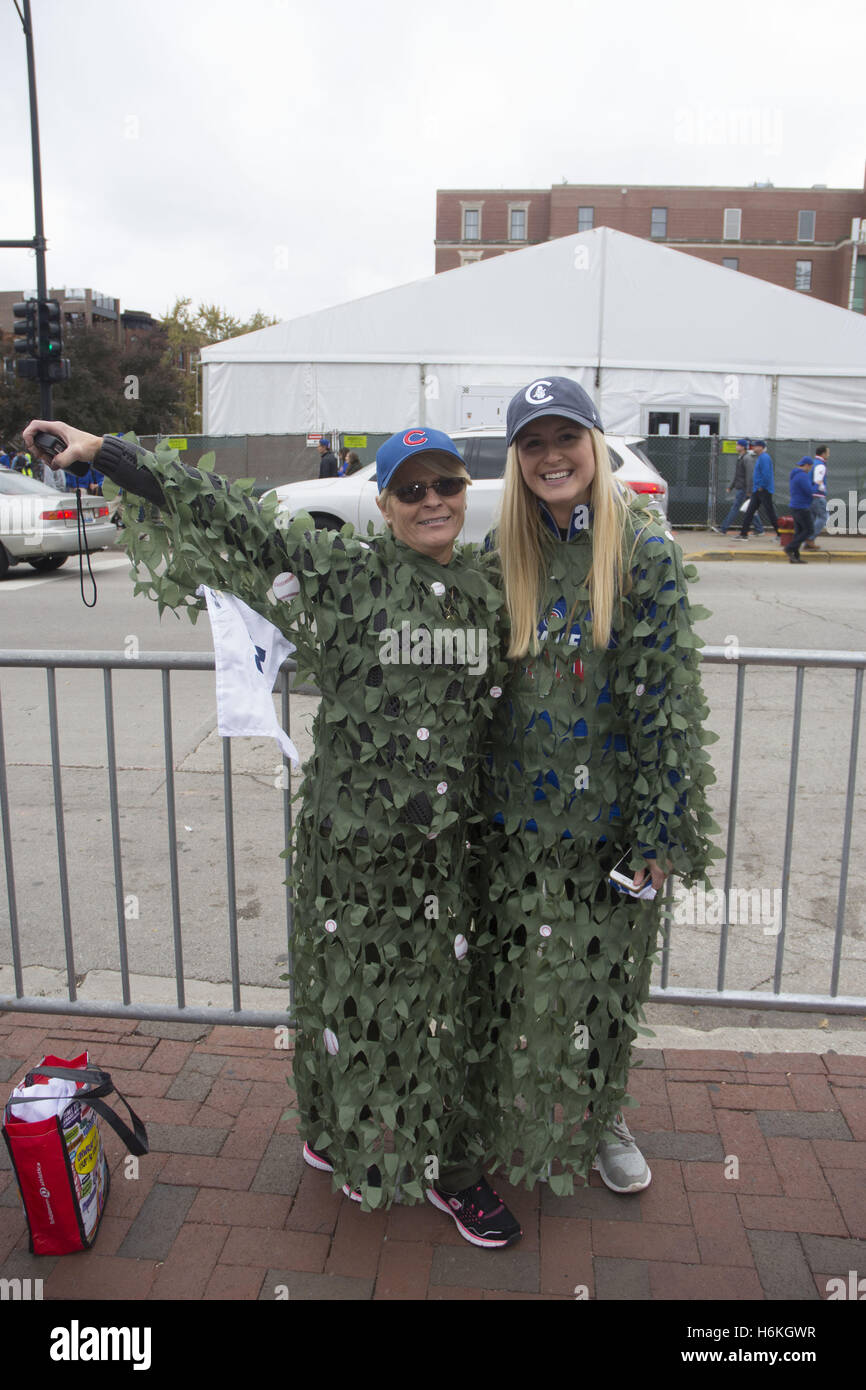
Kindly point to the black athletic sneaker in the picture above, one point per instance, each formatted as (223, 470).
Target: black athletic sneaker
(317, 1159)
(480, 1213)
(374, 1179)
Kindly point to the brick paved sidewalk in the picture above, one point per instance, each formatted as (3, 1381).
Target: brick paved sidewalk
(225, 1208)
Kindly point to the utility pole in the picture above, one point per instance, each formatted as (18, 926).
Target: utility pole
(37, 243)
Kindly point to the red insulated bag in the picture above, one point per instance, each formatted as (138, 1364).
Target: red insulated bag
(59, 1162)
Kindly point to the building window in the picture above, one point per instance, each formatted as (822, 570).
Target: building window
(731, 262)
(805, 226)
(733, 219)
(663, 422)
(703, 424)
(659, 223)
(471, 224)
(803, 276)
(517, 224)
(585, 219)
(857, 302)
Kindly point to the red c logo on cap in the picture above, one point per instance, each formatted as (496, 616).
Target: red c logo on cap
(414, 437)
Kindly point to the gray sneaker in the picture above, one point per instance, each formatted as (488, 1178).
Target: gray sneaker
(620, 1162)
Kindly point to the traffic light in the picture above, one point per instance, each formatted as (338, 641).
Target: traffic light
(26, 328)
(50, 329)
(39, 341)
(56, 369)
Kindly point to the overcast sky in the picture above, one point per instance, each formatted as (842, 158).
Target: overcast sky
(273, 155)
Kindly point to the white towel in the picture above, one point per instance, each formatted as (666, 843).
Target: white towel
(249, 652)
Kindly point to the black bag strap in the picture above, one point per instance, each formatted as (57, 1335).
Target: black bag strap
(98, 1084)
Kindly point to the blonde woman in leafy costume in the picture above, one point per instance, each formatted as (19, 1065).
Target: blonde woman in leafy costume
(597, 757)
(381, 957)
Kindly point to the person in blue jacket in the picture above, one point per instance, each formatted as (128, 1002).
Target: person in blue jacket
(802, 492)
(763, 488)
(741, 486)
(90, 482)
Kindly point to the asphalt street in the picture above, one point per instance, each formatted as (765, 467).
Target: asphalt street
(754, 603)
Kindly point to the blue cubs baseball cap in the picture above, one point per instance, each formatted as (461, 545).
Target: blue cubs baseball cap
(550, 395)
(406, 444)
(743, 443)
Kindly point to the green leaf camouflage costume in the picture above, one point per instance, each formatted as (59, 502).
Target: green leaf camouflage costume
(383, 919)
(595, 755)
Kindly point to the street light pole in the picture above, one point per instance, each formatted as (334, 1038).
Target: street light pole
(38, 241)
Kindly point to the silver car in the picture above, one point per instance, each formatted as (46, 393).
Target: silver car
(38, 523)
(334, 501)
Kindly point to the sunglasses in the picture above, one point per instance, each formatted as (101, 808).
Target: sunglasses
(416, 492)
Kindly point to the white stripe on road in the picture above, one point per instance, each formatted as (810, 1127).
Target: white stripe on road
(69, 571)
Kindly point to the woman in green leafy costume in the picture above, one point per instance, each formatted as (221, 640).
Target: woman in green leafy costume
(401, 635)
(597, 757)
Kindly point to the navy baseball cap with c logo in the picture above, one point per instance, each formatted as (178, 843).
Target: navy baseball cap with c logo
(405, 444)
(550, 395)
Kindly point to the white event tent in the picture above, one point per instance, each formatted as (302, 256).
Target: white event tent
(642, 327)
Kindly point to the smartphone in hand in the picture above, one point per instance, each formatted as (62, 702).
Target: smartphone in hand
(623, 881)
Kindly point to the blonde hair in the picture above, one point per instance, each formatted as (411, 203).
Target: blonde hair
(525, 544)
(442, 465)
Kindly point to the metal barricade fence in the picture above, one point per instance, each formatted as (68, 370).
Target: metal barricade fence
(166, 662)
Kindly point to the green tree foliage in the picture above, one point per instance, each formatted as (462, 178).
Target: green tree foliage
(187, 332)
(110, 388)
(19, 403)
(150, 386)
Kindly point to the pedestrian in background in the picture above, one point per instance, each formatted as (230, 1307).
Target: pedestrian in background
(72, 481)
(22, 463)
(802, 491)
(5, 460)
(819, 498)
(763, 488)
(353, 462)
(741, 486)
(52, 477)
(328, 466)
(343, 455)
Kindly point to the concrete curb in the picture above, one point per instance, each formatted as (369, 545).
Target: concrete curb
(744, 552)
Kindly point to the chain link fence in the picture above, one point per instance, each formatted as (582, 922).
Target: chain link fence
(271, 459)
(699, 471)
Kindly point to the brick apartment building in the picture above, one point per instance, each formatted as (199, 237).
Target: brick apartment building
(807, 239)
(84, 306)
(77, 306)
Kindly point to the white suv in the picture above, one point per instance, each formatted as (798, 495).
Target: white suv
(334, 501)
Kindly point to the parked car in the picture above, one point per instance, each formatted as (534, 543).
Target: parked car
(38, 523)
(334, 501)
